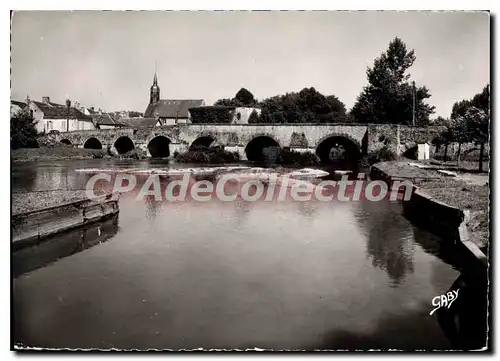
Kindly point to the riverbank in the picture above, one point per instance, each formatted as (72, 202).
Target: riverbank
(38, 215)
(56, 153)
(464, 191)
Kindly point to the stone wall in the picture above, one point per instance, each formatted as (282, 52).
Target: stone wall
(368, 137)
(409, 136)
(382, 135)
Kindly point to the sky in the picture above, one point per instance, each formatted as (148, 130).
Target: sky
(106, 59)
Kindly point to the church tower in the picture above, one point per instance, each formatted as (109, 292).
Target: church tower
(155, 91)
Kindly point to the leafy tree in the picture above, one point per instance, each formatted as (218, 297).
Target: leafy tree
(460, 108)
(23, 131)
(446, 136)
(480, 101)
(225, 102)
(440, 121)
(459, 133)
(388, 97)
(477, 122)
(306, 106)
(254, 117)
(471, 121)
(244, 97)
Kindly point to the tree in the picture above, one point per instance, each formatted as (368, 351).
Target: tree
(478, 130)
(446, 136)
(471, 121)
(225, 102)
(388, 97)
(254, 117)
(244, 97)
(23, 131)
(306, 106)
(459, 133)
(480, 101)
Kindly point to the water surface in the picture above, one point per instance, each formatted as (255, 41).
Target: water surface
(281, 275)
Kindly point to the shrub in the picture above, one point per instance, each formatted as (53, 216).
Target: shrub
(211, 114)
(23, 131)
(291, 157)
(213, 155)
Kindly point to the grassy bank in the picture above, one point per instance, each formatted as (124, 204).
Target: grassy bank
(55, 153)
(467, 191)
(67, 153)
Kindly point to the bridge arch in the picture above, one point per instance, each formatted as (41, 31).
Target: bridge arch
(123, 144)
(92, 143)
(339, 149)
(66, 142)
(159, 147)
(259, 145)
(203, 141)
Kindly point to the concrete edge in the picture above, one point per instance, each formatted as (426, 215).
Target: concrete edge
(33, 227)
(462, 229)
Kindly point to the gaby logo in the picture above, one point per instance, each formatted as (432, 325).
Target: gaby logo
(444, 300)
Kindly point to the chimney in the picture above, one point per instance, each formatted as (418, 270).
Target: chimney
(46, 100)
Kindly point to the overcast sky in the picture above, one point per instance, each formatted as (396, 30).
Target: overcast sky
(107, 59)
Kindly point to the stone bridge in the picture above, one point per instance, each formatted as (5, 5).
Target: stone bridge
(249, 140)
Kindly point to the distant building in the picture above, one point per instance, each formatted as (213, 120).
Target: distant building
(106, 121)
(54, 116)
(169, 111)
(139, 122)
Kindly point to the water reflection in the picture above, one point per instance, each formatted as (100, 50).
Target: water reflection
(389, 241)
(63, 245)
(307, 209)
(153, 207)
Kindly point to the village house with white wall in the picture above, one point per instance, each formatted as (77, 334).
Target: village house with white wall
(52, 116)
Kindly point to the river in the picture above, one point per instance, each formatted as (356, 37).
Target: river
(277, 275)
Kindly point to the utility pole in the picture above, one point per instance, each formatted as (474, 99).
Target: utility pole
(414, 95)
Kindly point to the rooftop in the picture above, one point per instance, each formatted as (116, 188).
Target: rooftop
(57, 111)
(172, 108)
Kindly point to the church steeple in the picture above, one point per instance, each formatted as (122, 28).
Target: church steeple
(155, 90)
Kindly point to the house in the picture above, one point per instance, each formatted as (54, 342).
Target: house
(172, 111)
(139, 122)
(169, 111)
(106, 121)
(54, 116)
